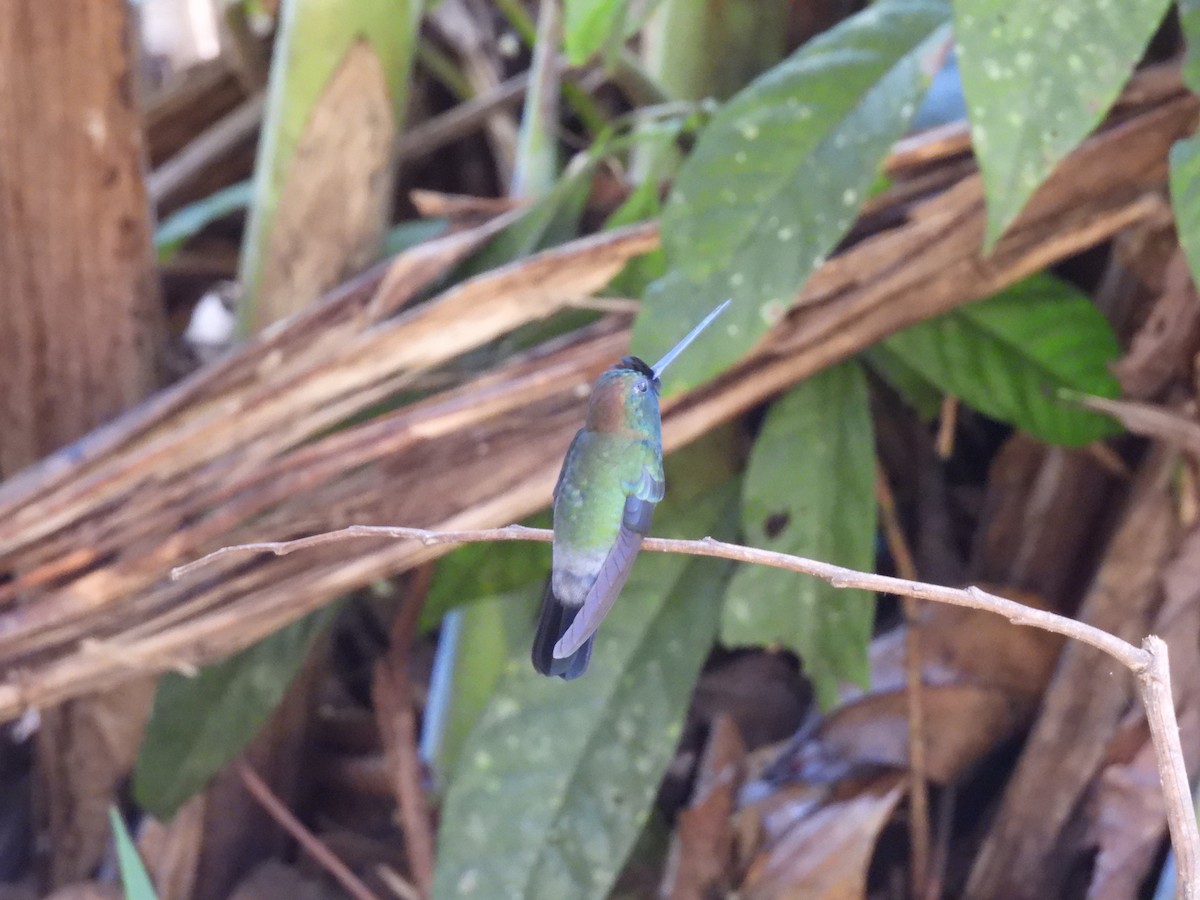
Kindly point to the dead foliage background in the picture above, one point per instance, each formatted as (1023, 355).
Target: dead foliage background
(981, 761)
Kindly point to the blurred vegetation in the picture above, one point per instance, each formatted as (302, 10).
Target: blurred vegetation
(756, 145)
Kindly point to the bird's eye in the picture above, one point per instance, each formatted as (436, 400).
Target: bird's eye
(641, 386)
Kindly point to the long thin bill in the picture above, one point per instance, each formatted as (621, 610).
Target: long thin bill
(692, 335)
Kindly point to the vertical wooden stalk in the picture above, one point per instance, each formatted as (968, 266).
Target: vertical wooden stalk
(79, 314)
(80, 327)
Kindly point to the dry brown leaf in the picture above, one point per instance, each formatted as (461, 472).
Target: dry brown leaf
(982, 678)
(962, 723)
(1164, 348)
(826, 856)
(1127, 824)
(701, 861)
(1033, 840)
(432, 204)
(767, 812)
(273, 879)
(967, 646)
(171, 850)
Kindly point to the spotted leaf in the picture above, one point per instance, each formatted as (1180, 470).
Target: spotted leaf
(556, 780)
(809, 490)
(778, 177)
(1038, 77)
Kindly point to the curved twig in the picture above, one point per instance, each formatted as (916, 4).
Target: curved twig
(1148, 662)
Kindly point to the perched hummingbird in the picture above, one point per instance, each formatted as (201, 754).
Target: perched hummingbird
(611, 480)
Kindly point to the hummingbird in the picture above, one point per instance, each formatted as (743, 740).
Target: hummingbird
(610, 482)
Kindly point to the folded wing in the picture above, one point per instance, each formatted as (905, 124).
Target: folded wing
(635, 525)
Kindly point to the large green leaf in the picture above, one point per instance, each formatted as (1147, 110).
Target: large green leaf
(558, 777)
(484, 596)
(917, 390)
(641, 204)
(134, 877)
(810, 491)
(199, 724)
(778, 177)
(1185, 155)
(483, 638)
(1007, 356)
(476, 571)
(1038, 76)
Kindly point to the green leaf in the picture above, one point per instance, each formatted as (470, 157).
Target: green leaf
(486, 635)
(188, 220)
(199, 724)
(1185, 155)
(476, 571)
(810, 491)
(536, 161)
(1007, 356)
(133, 871)
(554, 218)
(1185, 197)
(1189, 23)
(779, 175)
(917, 390)
(558, 777)
(589, 25)
(641, 205)
(1038, 77)
(484, 595)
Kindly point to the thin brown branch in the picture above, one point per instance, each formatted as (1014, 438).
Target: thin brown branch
(1128, 655)
(325, 857)
(918, 783)
(392, 695)
(1148, 663)
(397, 883)
(463, 119)
(947, 427)
(1155, 684)
(213, 143)
(396, 715)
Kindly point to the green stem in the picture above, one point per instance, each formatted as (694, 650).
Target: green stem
(444, 70)
(589, 113)
(520, 20)
(536, 166)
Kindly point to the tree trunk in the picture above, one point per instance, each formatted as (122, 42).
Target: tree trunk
(80, 326)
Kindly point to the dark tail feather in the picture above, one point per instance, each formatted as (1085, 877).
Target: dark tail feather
(553, 621)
